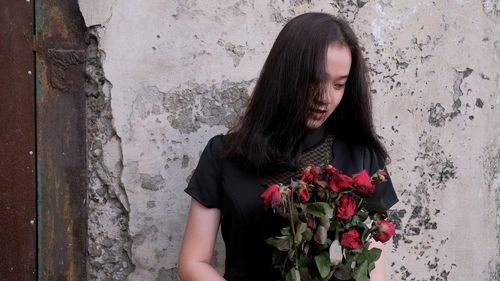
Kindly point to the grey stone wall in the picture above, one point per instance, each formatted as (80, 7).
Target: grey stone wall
(165, 76)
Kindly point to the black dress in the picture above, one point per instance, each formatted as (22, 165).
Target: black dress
(221, 183)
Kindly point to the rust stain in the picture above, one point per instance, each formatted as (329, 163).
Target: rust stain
(57, 22)
(68, 217)
(67, 135)
(62, 144)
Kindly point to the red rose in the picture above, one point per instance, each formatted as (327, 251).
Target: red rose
(384, 236)
(338, 180)
(304, 193)
(351, 239)
(346, 207)
(362, 178)
(272, 197)
(322, 193)
(309, 174)
(383, 173)
(362, 184)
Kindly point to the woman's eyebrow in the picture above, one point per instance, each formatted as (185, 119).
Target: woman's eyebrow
(343, 77)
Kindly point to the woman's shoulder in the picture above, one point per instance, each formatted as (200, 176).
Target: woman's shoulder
(349, 148)
(356, 155)
(215, 145)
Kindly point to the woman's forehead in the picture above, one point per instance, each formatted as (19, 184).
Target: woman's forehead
(338, 61)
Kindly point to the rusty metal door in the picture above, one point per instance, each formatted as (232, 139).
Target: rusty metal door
(17, 143)
(61, 140)
(43, 178)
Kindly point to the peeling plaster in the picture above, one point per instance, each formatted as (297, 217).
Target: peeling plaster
(219, 104)
(109, 240)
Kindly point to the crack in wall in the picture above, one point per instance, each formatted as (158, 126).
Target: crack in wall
(109, 239)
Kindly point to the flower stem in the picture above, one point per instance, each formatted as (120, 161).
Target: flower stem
(292, 223)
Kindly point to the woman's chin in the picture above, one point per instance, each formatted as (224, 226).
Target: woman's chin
(314, 123)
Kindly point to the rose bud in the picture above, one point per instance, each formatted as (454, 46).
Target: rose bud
(385, 230)
(346, 207)
(362, 184)
(271, 197)
(304, 194)
(379, 176)
(321, 193)
(322, 190)
(311, 223)
(309, 174)
(330, 169)
(351, 239)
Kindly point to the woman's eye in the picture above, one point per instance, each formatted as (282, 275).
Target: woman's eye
(339, 86)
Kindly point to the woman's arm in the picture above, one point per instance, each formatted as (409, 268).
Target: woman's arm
(378, 274)
(198, 244)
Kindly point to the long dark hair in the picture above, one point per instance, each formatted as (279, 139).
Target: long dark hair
(274, 125)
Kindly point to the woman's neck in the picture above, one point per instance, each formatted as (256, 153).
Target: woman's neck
(313, 138)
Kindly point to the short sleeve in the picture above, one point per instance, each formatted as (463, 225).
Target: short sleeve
(205, 184)
(384, 192)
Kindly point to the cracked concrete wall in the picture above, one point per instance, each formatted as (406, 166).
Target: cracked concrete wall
(164, 76)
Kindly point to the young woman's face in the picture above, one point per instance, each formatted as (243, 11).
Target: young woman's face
(338, 64)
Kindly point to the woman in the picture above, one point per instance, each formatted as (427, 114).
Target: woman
(312, 98)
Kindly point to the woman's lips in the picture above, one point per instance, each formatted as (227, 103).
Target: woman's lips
(318, 114)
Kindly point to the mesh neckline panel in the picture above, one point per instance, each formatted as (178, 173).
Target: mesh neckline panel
(315, 156)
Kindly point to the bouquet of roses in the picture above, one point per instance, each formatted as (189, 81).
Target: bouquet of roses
(330, 226)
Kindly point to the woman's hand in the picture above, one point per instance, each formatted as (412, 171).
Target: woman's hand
(198, 244)
(378, 273)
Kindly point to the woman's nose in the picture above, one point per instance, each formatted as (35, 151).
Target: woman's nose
(325, 97)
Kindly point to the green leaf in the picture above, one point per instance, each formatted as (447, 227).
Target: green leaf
(324, 221)
(336, 224)
(357, 251)
(298, 238)
(320, 235)
(291, 253)
(319, 209)
(323, 184)
(354, 221)
(279, 259)
(293, 275)
(323, 264)
(343, 273)
(304, 274)
(301, 227)
(361, 272)
(363, 214)
(308, 234)
(370, 256)
(302, 217)
(382, 227)
(286, 231)
(371, 266)
(280, 242)
(305, 261)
